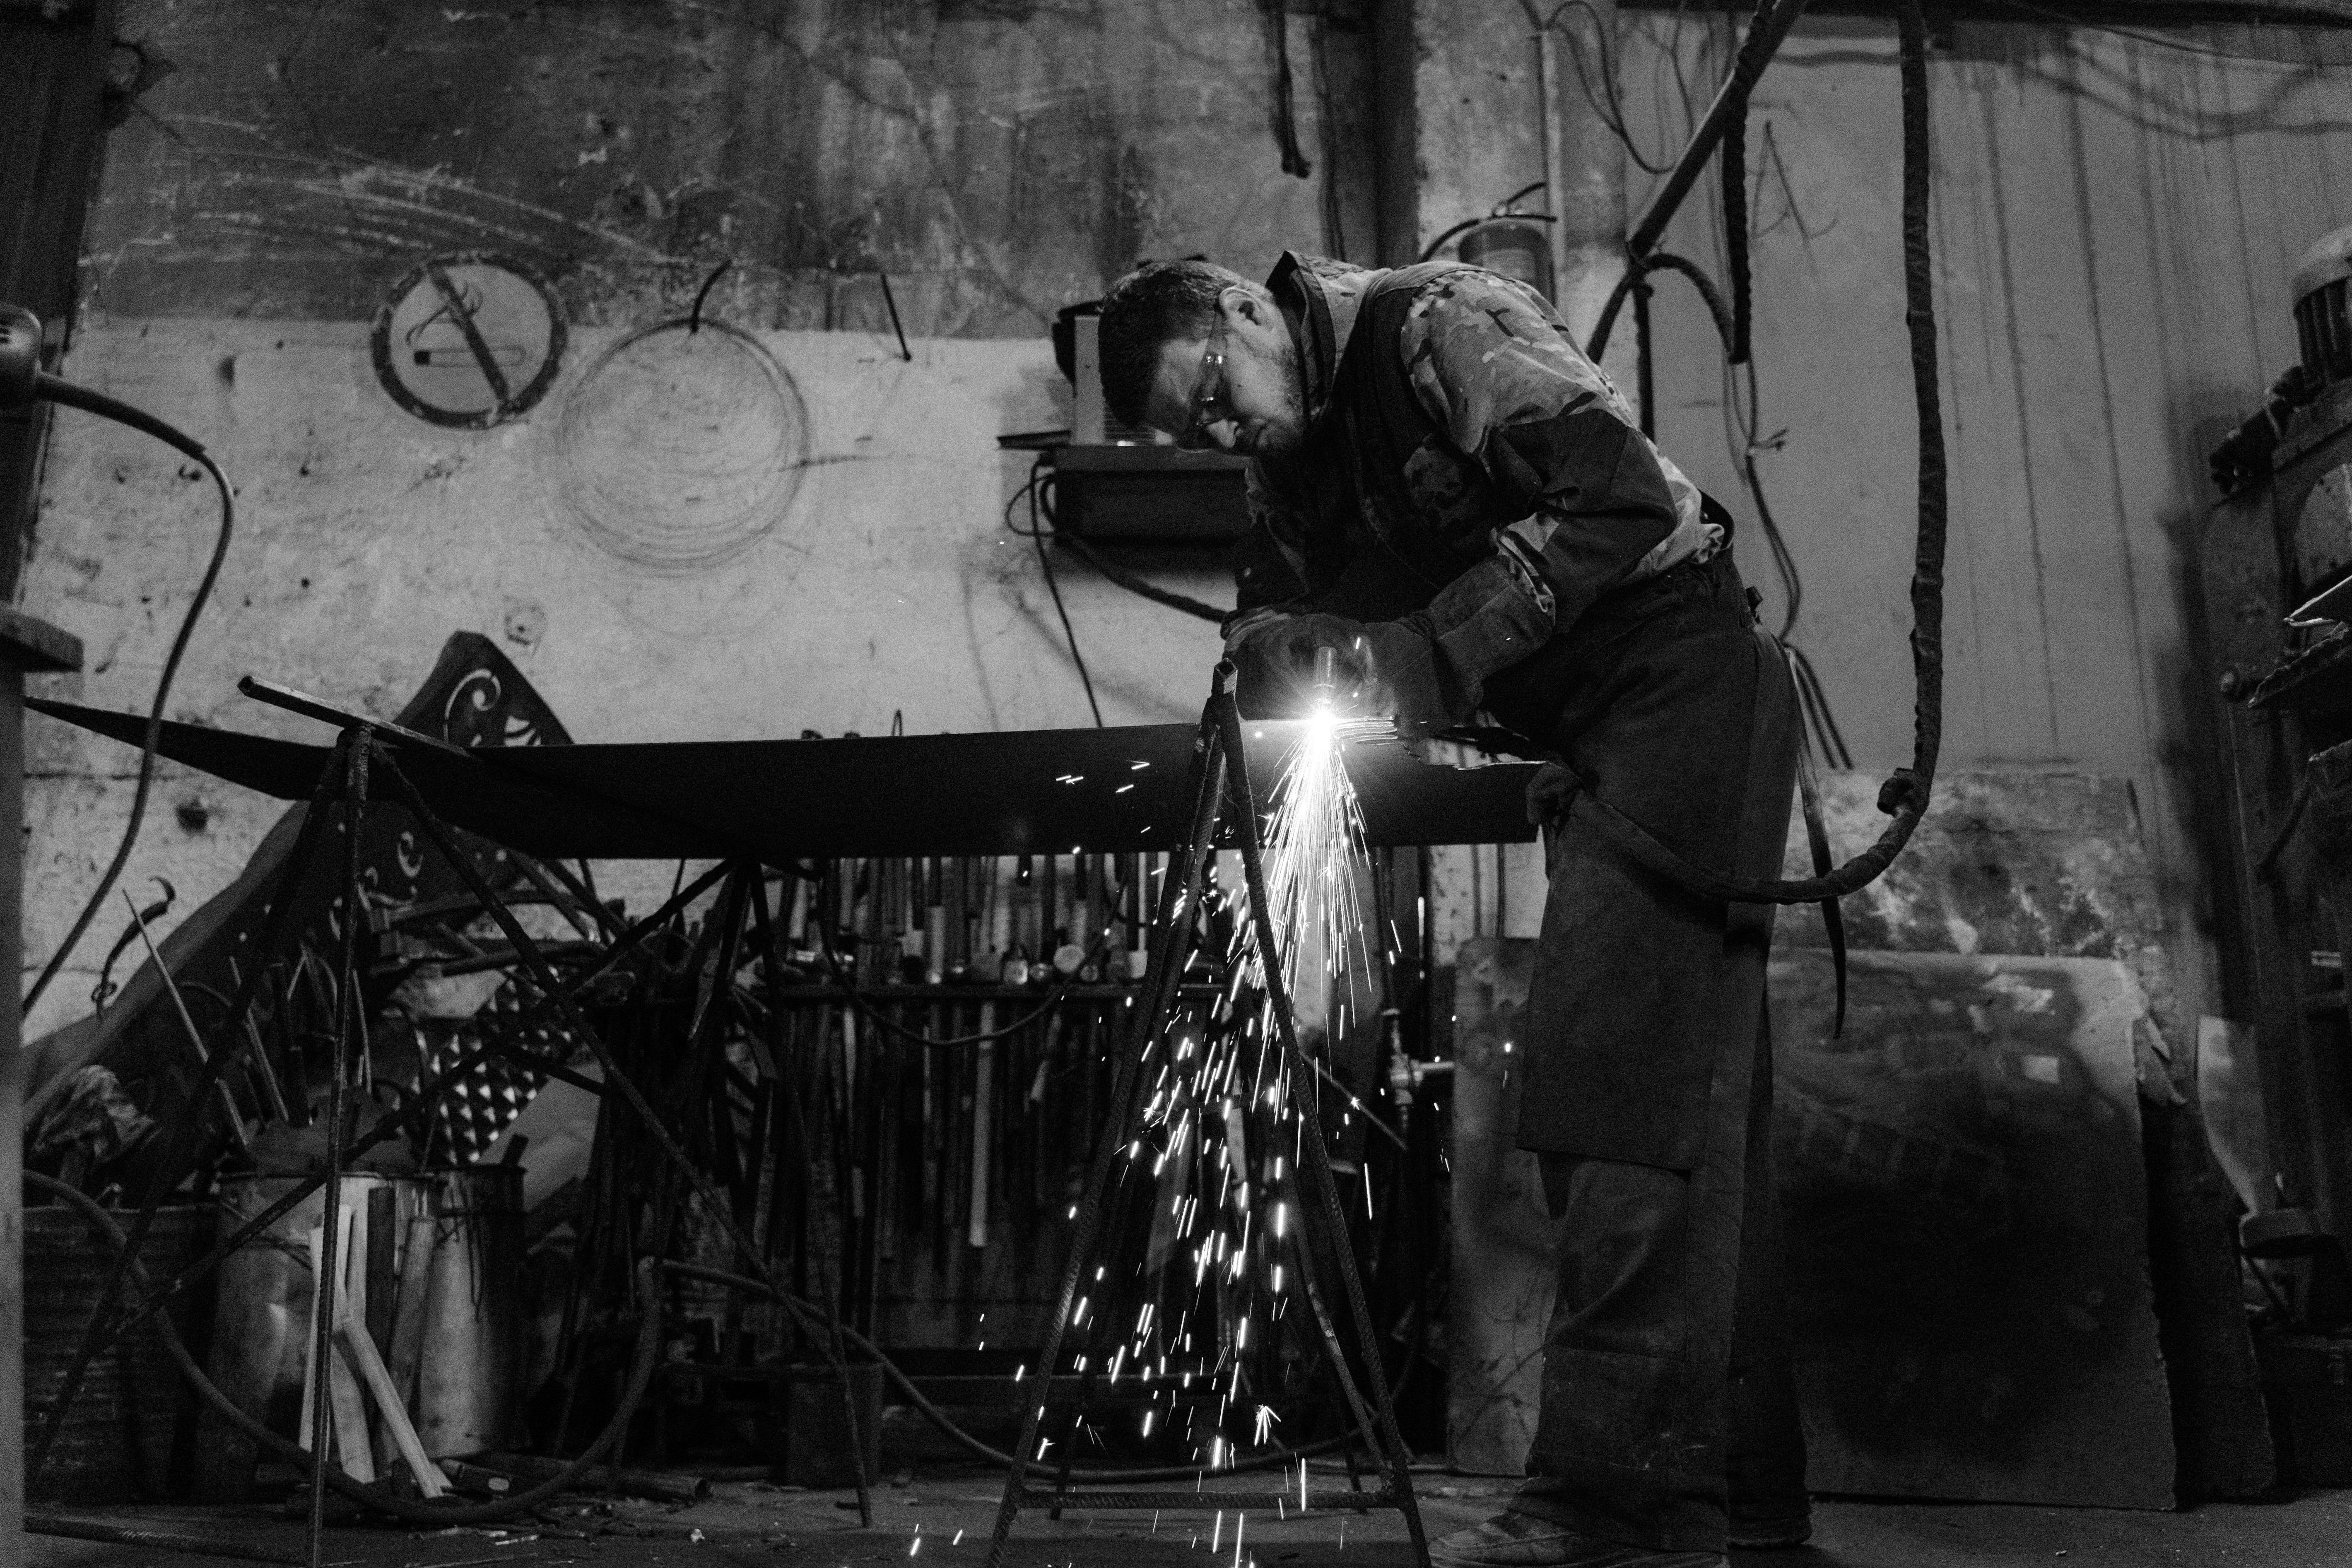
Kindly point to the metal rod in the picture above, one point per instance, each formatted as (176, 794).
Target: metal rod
(1756, 52)
(391, 1121)
(357, 747)
(196, 1038)
(157, 1539)
(1179, 914)
(837, 1350)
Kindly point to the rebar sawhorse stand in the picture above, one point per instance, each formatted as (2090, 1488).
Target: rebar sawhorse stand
(1219, 773)
(366, 751)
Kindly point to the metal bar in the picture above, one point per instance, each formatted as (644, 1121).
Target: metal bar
(837, 1350)
(235, 1118)
(1202, 1501)
(344, 719)
(157, 1539)
(1179, 913)
(1765, 36)
(355, 749)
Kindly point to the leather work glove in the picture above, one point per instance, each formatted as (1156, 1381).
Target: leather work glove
(1427, 671)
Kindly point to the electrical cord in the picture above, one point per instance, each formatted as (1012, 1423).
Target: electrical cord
(1044, 525)
(1558, 792)
(153, 738)
(1610, 103)
(1036, 535)
(1198, 609)
(1053, 586)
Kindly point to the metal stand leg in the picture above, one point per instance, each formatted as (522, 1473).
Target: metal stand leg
(1178, 909)
(837, 1348)
(1223, 772)
(355, 750)
(1326, 1208)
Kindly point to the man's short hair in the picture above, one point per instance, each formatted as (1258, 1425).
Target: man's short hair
(1156, 304)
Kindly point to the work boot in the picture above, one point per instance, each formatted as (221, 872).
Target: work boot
(1762, 1534)
(1522, 1540)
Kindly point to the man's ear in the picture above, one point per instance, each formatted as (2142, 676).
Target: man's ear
(1243, 303)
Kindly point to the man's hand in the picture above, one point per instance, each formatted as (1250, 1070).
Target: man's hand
(1382, 670)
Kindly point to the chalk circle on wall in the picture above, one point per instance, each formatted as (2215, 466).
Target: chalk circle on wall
(681, 446)
(468, 340)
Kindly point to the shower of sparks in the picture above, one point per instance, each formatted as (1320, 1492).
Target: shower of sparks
(1199, 1327)
(1315, 847)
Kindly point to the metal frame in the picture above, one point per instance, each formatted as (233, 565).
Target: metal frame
(1219, 781)
(364, 758)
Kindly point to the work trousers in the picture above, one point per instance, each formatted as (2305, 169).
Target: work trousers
(1668, 1404)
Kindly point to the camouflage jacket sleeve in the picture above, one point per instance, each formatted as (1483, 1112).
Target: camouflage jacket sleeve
(1270, 566)
(1496, 370)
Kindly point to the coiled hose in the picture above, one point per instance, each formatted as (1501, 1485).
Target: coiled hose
(1559, 793)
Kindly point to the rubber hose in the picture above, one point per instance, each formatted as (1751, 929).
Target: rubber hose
(1905, 796)
(361, 1492)
(980, 1450)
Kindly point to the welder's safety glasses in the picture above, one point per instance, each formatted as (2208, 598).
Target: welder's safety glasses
(1210, 404)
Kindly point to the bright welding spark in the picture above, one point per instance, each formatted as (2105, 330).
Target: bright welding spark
(1315, 843)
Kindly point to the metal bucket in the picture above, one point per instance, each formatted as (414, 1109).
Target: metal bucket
(130, 1431)
(470, 1394)
(444, 1269)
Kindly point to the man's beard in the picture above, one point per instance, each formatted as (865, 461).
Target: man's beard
(1287, 431)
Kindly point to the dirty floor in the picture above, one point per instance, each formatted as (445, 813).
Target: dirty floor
(944, 1516)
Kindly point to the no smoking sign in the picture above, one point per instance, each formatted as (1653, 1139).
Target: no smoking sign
(468, 340)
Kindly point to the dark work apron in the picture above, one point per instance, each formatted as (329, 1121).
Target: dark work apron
(1660, 695)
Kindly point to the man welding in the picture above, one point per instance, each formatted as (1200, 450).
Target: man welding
(1445, 491)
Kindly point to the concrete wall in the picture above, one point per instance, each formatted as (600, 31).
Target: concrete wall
(2114, 223)
(998, 160)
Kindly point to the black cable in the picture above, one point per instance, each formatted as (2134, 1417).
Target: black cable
(1905, 796)
(1045, 564)
(1734, 170)
(1610, 106)
(1128, 579)
(1285, 115)
(1039, 493)
(1430, 250)
(153, 738)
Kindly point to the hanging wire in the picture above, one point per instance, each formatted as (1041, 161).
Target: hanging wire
(1608, 103)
